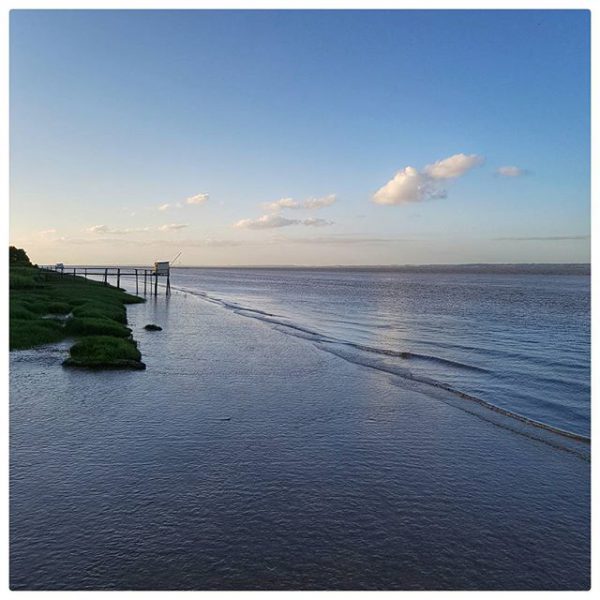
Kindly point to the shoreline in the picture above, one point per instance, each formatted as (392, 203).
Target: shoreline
(560, 438)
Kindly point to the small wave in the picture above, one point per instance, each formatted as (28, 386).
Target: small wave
(409, 355)
(554, 436)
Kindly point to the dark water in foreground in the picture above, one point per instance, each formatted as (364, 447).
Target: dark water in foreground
(247, 458)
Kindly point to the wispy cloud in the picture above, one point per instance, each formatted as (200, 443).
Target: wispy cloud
(412, 185)
(172, 227)
(308, 204)
(274, 221)
(106, 230)
(281, 203)
(548, 238)
(511, 171)
(196, 200)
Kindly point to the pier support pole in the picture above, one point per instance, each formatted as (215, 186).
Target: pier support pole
(168, 290)
(118, 277)
(156, 283)
(105, 276)
(145, 280)
(74, 272)
(136, 282)
(85, 273)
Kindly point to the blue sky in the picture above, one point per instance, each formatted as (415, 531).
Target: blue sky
(300, 137)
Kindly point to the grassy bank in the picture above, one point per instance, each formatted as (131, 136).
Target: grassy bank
(45, 308)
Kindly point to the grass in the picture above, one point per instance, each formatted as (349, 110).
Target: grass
(95, 316)
(105, 352)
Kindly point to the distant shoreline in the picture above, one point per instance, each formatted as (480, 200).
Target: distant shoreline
(479, 268)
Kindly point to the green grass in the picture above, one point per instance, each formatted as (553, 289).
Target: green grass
(89, 310)
(105, 352)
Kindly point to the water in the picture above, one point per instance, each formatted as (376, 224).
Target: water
(271, 452)
(517, 340)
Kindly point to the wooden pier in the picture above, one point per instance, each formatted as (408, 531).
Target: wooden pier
(147, 275)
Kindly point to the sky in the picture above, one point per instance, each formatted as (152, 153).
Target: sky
(300, 137)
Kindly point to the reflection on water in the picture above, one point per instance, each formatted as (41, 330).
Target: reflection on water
(519, 341)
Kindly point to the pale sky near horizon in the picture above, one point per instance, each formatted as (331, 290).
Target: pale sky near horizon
(300, 137)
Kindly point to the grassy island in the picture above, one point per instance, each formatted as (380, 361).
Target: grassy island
(46, 307)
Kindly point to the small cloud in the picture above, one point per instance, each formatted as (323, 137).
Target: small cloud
(47, 232)
(274, 221)
(99, 229)
(408, 185)
(511, 171)
(316, 222)
(164, 207)
(453, 166)
(265, 222)
(411, 185)
(314, 203)
(172, 227)
(197, 199)
(308, 204)
(104, 229)
(282, 203)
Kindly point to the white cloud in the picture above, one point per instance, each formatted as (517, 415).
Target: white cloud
(412, 185)
(105, 229)
(274, 221)
(164, 207)
(46, 231)
(172, 227)
(407, 185)
(197, 199)
(265, 222)
(99, 229)
(453, 166)
(510, 171)
(316, 222)
(282, 203)
(314, 203)
(309, 203)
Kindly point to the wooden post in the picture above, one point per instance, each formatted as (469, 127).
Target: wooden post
(118, 277)
(85, 273)
(74, 272)
(105, 276)
(168, 290)
(136, 282)
(145, 279)
(156, 283)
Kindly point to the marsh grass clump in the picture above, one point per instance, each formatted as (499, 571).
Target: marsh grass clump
(46, 307)
(105, 352)
(26, 333)
(96, 326)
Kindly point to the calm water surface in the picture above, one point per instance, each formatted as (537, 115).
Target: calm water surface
(281, 439)
(519, 341)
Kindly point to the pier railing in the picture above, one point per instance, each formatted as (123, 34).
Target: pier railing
(146, 275)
